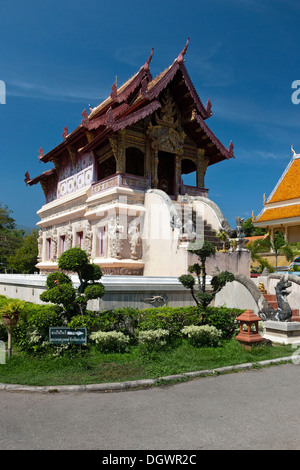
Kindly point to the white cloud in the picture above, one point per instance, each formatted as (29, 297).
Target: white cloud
(29, 89)
(254, 113)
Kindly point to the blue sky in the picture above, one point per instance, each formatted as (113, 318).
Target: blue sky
(59, 57)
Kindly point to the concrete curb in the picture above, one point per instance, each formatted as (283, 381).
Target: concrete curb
(135, 384)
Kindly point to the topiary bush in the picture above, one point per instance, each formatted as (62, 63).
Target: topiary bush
(60, 289)
(198, 289)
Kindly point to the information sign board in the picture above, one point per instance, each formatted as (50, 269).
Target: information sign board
(63, 335)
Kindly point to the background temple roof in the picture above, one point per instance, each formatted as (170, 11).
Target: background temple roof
(286, 190)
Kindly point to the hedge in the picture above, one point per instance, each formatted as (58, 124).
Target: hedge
(33, 329)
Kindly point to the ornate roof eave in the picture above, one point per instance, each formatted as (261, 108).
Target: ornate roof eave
(102, 120)
(113, 125)
(39, 178)
(70, 140)
(274, 215)
(226, 153)
(168, 76)
(120, 95)
(205, 112)
(104, 135)
(135, 116)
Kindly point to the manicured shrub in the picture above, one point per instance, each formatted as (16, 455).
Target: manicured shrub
(60, 290)
(202, 336)
(94, 291)
(91, 321)
(110, 341)
(124, 319)
(169, 318)
(32, 331)
(203, 250)
(57, 278)
(153, 340)
(223, 319)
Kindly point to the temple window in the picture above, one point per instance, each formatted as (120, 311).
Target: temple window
(102, 241)
(62, 243)
(48, 249)
(79, 236)
(134, 161)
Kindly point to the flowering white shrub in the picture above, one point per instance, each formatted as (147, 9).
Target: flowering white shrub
(34, 337)
(203, 335)
(110, 341)
(153, 339)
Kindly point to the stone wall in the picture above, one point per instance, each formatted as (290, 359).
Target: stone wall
(121, 291)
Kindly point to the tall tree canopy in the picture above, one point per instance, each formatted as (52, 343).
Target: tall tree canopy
(11, 240)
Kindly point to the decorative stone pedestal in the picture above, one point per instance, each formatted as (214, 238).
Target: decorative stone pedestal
(282, 332)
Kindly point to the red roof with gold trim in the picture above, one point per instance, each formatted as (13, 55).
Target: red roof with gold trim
(137, 98)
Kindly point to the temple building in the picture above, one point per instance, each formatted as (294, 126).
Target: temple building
(115, 188)
(281, 211)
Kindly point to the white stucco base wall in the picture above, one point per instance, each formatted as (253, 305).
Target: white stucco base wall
(236, 295)
(121, 291)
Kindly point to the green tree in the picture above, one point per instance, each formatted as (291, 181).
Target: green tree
(255, 253)
(25, 257)
(60, 289)
(202, 297)
(10, 238)
(250, 230)
(206, 250)
(278, 246)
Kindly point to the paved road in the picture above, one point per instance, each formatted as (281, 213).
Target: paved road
(255, 409)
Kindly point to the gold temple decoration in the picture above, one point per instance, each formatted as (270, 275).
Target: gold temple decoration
(165, 135)
(202, 164)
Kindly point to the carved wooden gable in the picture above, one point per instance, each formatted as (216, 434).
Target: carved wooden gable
(167, 135)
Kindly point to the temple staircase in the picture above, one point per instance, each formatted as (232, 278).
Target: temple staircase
(272, 301)
(210, 235)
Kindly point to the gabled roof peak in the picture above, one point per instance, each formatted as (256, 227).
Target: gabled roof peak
(183, 52)
(147, 63)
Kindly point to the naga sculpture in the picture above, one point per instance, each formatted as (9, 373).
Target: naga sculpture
(284, 311)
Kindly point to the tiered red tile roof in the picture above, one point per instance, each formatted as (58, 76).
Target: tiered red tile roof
(137, 98)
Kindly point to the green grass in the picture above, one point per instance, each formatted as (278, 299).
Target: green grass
(96, 367)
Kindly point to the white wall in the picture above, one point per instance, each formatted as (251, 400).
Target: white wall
(121, 291)
(236, 295)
